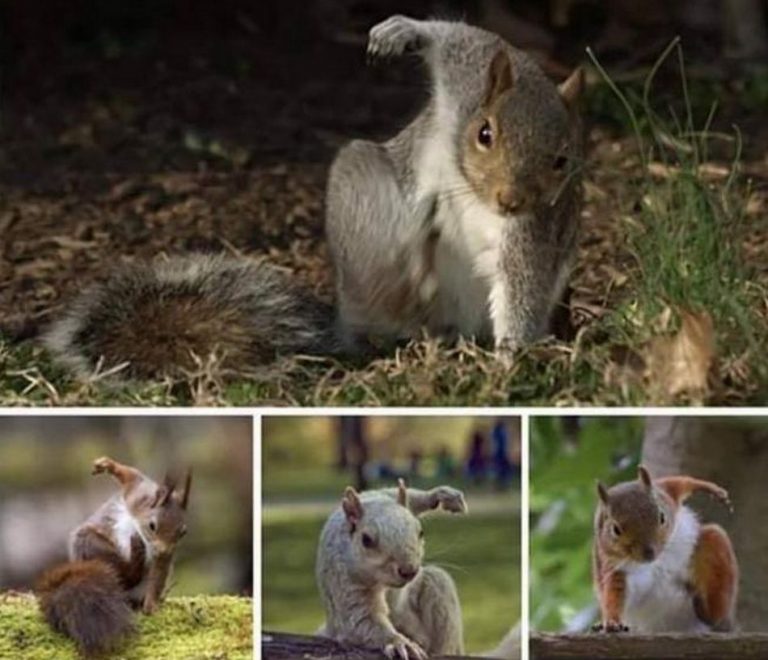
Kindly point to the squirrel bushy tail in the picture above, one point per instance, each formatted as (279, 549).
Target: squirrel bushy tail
(85, 601)
(160, 318)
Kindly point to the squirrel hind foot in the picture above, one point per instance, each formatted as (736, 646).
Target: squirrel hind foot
(394, 36)
(610, 627)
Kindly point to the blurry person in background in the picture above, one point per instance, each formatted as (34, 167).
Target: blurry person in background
(476, 467)
(445, 464)
(502, 467)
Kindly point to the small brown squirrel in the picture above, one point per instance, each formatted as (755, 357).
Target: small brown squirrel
(656, 568)
(119, 559)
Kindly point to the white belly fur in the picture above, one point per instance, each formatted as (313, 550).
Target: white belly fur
(124, 529)
(656, 599)
(468, 252)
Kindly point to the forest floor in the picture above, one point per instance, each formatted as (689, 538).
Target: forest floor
(123, 148)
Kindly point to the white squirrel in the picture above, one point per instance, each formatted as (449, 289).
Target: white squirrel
(375, 589)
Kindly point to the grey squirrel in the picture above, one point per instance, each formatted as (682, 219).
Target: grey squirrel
(464, 223)
(120, 558)
(374, 588)
(657, 568)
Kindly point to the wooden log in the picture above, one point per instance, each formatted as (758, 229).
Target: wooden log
(280, 646)
(714, 646)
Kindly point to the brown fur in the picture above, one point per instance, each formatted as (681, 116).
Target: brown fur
(715, 578)
(165, 317)
(85, 601)
(636, 509)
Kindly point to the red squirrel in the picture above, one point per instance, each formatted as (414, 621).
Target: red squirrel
(120, 559)
(656, 568)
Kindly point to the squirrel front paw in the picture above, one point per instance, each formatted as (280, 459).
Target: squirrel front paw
(102, 464)
(722, 496)
(394, 36)
(610, 627)
(405, 649)
(450, 499)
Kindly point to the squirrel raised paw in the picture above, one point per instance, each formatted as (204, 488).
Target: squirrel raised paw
(656, 568)
(121, 558)
(374, 588)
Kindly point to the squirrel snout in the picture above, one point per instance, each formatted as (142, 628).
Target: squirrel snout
(407, 572)
(649, 554)
(510, 201)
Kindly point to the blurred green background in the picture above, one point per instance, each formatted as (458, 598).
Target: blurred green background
(46, 490)
(303, 481)
(568, 456)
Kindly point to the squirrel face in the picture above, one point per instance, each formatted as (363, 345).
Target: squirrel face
(386, 541)
(523, 147)
(634, 520)
(163, 523)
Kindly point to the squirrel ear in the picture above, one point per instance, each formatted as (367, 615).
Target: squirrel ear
(185, 494)
(352, 506)
(644, 476)
(572, 87)
(500, 78)
(602, 493)
(402, 493)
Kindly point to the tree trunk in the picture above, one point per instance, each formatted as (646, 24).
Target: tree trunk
(732, 452)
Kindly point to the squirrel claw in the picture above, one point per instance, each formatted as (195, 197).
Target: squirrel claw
(450, 499)
(404, 649)
(610, 627)
(102, 464)
(391, 37)
(722, 495)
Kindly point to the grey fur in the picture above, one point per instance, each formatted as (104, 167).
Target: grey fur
(411, 248)
(382, 241)
(156, 316)
(365, 599)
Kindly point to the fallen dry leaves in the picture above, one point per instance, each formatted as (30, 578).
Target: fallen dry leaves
(680, 363)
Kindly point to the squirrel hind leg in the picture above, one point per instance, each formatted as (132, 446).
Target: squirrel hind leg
(429, 612)
(715, 577)
(394, 36)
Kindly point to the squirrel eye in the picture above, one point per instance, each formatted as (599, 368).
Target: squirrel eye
(616, 529)
(485, 135)
(152, 526)
(560, 163)
(368, 542)
(421, 533)
(662, 518)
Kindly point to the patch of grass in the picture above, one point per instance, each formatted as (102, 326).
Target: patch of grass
(481, 552)
(202, 627)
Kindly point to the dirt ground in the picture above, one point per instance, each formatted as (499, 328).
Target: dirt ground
(126, 134)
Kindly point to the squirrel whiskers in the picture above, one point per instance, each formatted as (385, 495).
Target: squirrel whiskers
(656, 568)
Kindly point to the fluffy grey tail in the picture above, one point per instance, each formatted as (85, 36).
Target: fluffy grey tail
(160, 318)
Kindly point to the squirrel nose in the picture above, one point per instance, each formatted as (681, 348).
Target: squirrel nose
(649, 554)
(509, 201)
(407, 572)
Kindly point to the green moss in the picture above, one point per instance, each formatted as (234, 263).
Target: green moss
(196, 628)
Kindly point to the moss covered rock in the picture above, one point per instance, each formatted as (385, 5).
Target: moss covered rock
(192, 628)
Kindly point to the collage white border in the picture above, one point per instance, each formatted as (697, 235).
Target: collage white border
(257, 413)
